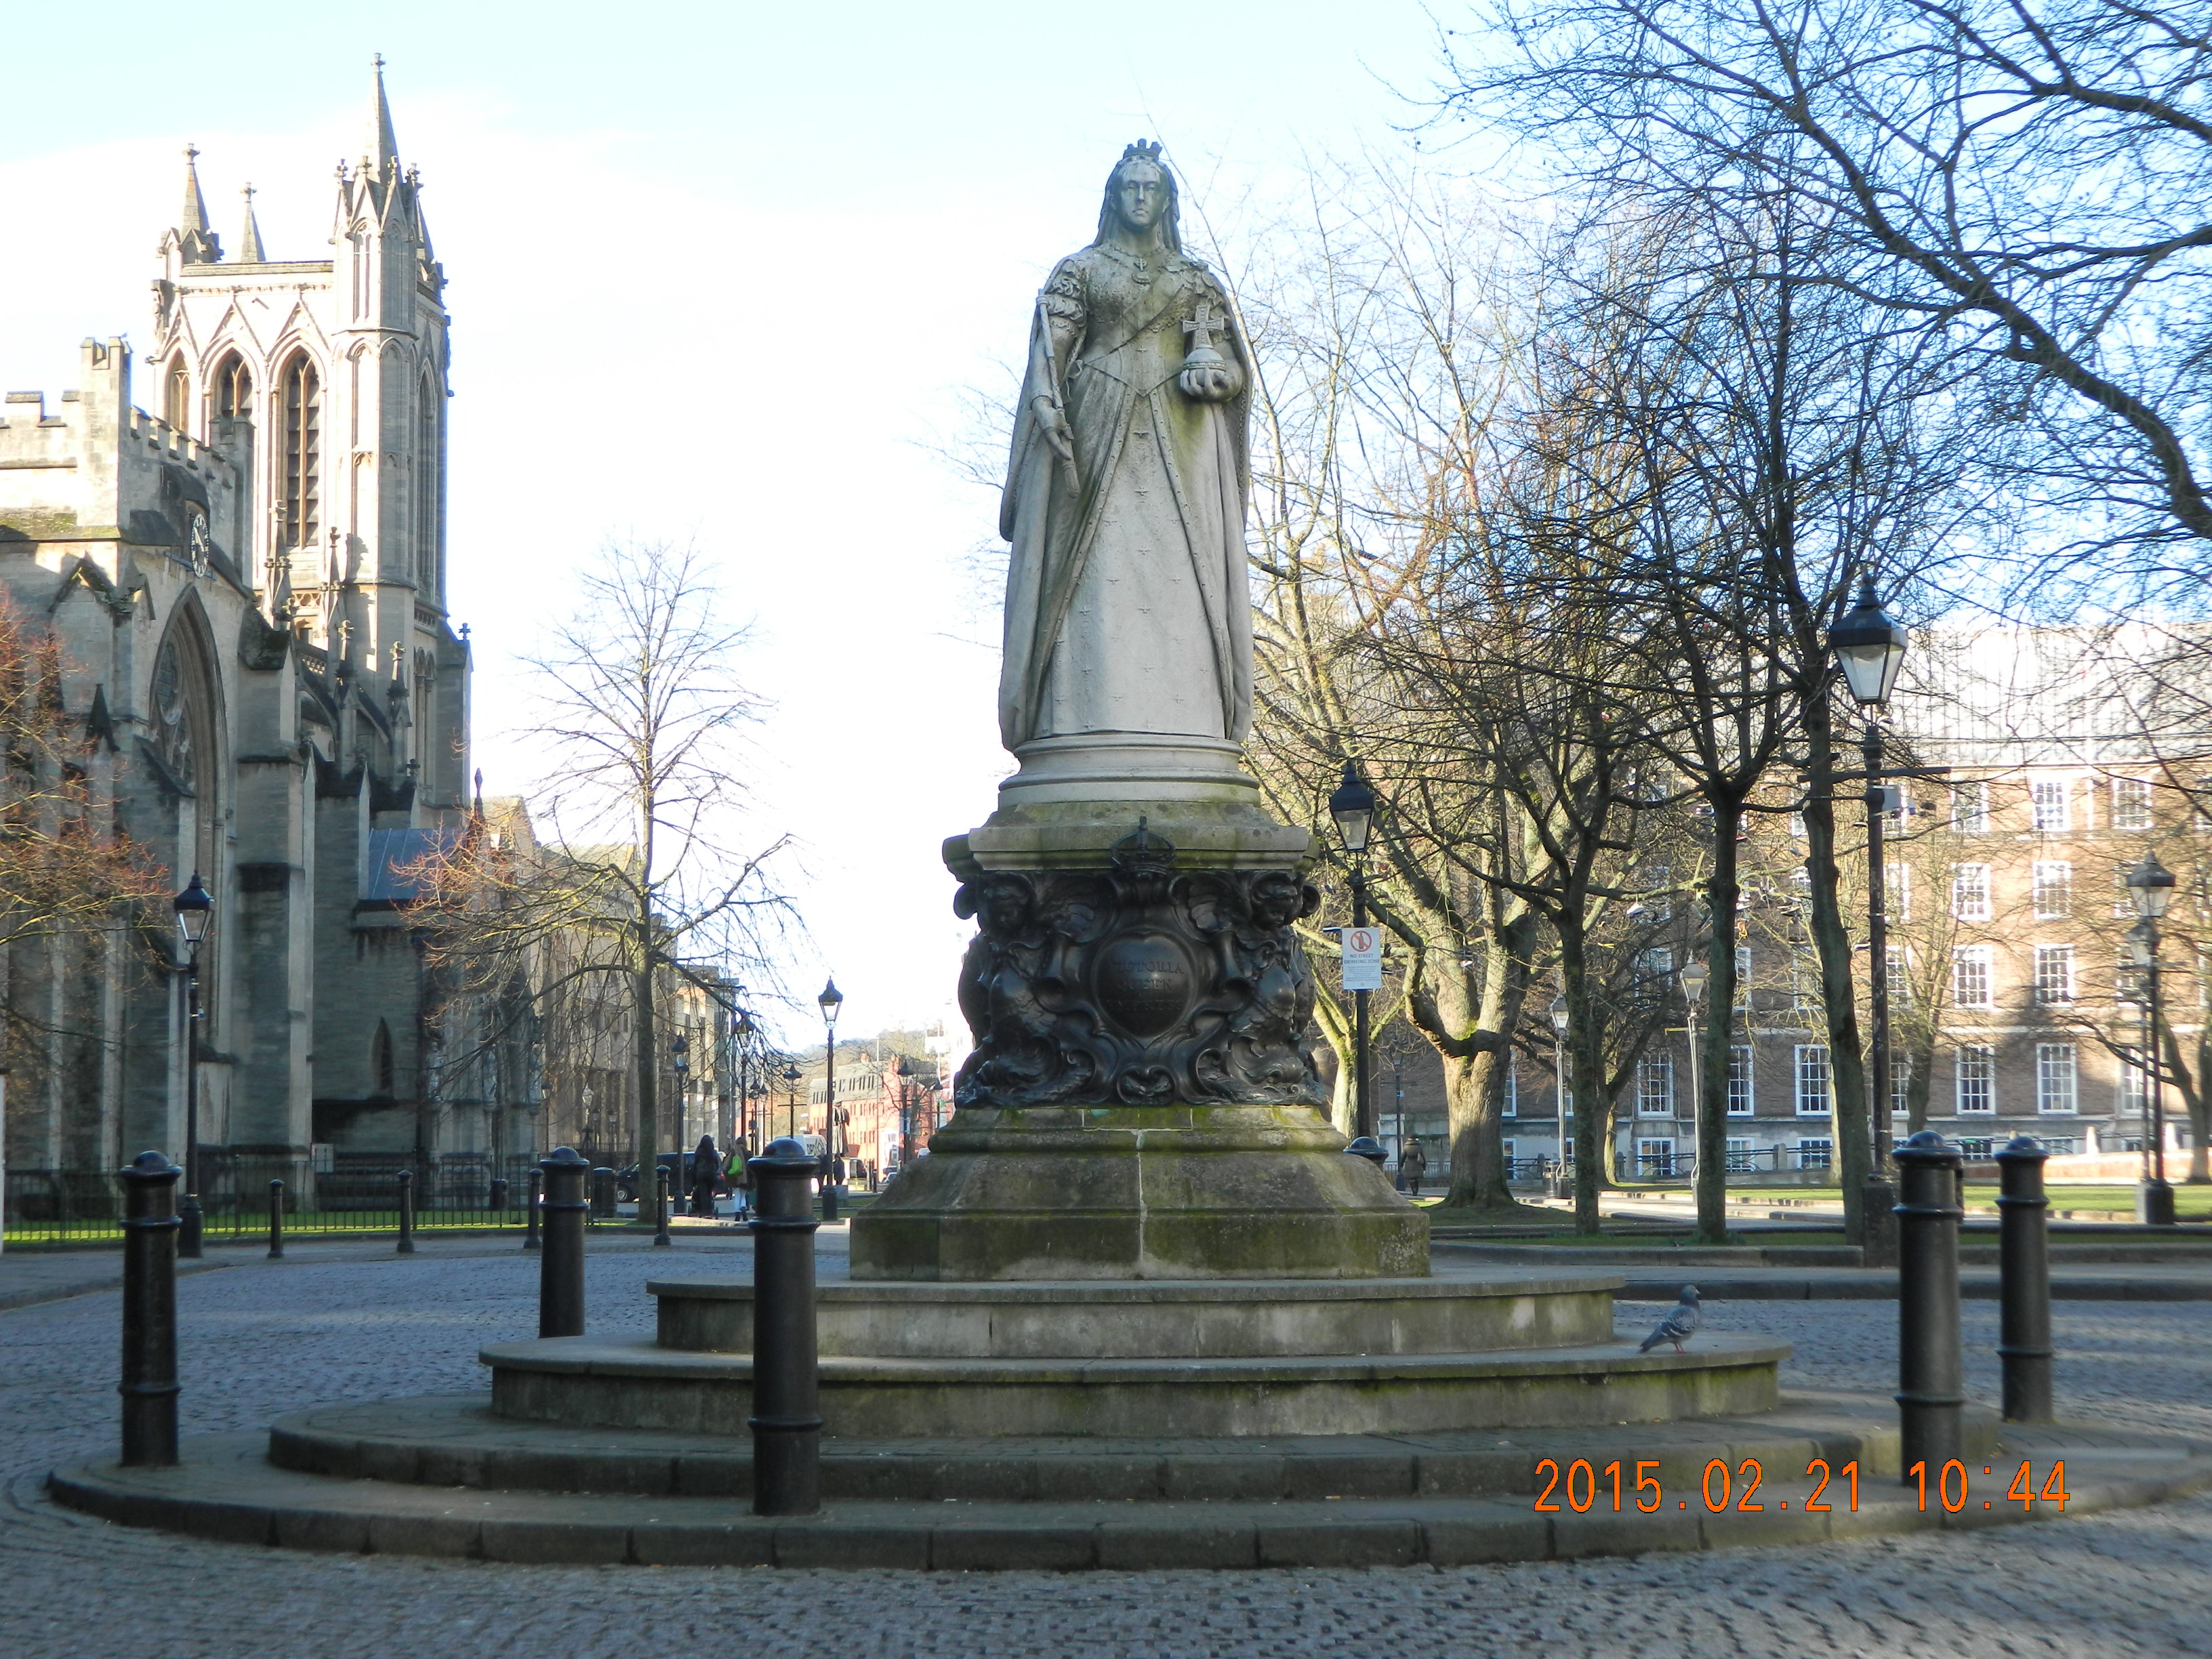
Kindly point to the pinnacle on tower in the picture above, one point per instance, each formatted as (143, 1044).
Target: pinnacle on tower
(249, 242)
(199, 245)
(383, 152)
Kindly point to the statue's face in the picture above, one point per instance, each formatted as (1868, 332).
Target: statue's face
(1141, 194)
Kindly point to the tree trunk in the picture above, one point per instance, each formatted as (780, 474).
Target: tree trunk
(1721, 891)
(1585, 1077)
(1473, 1079)
(1848, 1101)
(648, 1104)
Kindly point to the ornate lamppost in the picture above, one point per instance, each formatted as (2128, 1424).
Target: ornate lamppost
(1694, 976)
(2150, 884)
(195, 912)
(831, 999)
(1559, 1083)
(1353, 807)
(1869, 648)
(791, 1080)
(680, 1062)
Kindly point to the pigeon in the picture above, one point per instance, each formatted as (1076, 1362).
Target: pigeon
(1677, 1327)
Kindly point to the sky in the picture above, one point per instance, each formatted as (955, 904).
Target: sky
(721, 273)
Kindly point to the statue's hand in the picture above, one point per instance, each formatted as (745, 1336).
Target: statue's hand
(1209, 383)
(1053, 424)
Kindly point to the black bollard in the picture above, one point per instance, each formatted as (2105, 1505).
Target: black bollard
(1931, 1367)
(149, 1312)
(603, 1193)
(786, 1419)
(1368, 1147)
(276, 1221)
(2024, 1280)
(561, 1265)
(406, 1212)
(660, 1198)
(536, 1195)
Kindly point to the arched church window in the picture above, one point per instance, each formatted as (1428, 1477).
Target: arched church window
(299, 504)
(175, 738)
(426, 455)
(380, 1060)
(177, 394)
(233, 390)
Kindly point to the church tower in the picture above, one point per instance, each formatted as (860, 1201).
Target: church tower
(324, 383)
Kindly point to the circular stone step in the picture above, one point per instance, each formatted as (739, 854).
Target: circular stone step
(226, 1488)
(584, 1381)
(1455, 1312)
(455, 1441)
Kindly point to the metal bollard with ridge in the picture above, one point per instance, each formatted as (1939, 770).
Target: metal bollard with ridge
(2024, 1280)
(276, 1221)
(149, 1387)
(787, 1415)
(660, 1199)
(534, 1197)
(406, 1212)
(560, 1264)
(1931, 1361)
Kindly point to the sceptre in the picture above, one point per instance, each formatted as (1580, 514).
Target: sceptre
(1052, 390)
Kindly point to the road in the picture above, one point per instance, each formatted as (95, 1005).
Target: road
(263, 1339)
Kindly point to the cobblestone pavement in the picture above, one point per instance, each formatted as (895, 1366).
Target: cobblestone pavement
(262, 1339)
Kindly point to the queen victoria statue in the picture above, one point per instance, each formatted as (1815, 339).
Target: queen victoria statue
(1141, 1100)
(1127, 625)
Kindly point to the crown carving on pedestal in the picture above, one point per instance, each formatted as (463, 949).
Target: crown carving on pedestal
(1143, 852)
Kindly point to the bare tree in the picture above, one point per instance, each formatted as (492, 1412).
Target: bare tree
(644, 716)
(2023, 179)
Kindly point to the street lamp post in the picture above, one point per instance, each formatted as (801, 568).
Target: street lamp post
(1869, 648)
(792, 1076)
(1559, 1075)
(195, 910)
(680, 1062)
(831, 999)
(2150, 884)
(1353, 807)
(1694, 976)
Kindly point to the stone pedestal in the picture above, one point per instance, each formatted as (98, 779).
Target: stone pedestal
(1142, 1103)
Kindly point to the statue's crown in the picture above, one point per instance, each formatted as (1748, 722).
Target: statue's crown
(1141, 151)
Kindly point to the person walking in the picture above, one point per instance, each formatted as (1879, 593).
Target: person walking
(706, 1175)
(1413, 1164)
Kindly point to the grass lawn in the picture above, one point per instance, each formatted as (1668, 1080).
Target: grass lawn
(2187, 1201)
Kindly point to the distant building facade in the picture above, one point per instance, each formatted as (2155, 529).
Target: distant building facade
(2071, 754)
(248, 580)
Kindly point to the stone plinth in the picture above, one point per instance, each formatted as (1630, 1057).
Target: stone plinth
(1142, 1103)
(1110, 1193)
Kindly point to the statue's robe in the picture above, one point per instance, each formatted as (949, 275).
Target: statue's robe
(1127, 606)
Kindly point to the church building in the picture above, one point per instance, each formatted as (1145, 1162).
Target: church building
(247, 577)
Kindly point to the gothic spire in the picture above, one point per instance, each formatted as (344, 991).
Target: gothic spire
(383, 151)
(249, 242)
(199, 244)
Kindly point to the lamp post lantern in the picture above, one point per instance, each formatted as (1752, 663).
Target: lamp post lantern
(792, 1076)
(195, 911)
(1869, 649)
(832, 1000)
(1353, 807)
(1694, 977)
(2150, 884)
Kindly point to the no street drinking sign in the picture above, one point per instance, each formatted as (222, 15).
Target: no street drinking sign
(1363, 958)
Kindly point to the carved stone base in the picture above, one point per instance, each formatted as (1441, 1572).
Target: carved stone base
(1142, 1101)
(1138, 1192)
